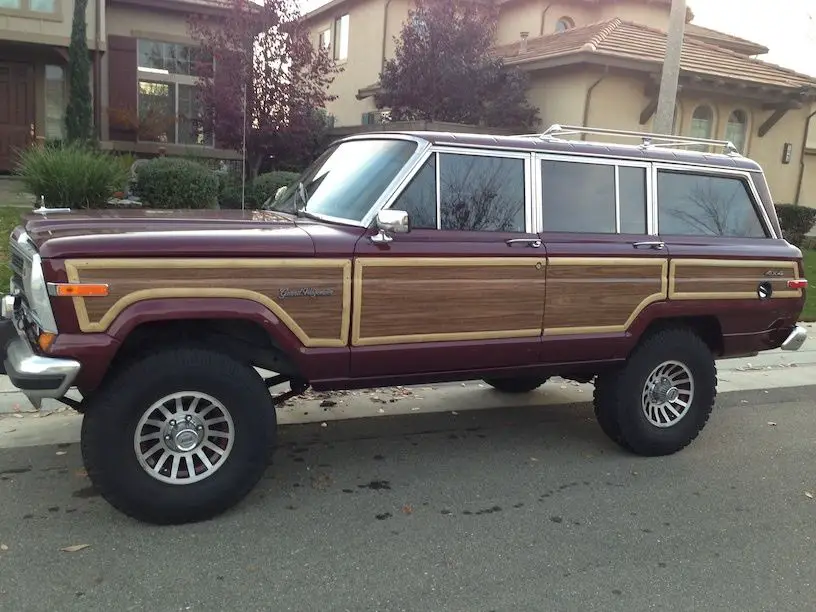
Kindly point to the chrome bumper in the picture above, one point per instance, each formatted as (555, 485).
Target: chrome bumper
(795, 339)
(38, 377)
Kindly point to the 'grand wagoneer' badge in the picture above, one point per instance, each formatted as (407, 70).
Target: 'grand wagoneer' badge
(304, 292)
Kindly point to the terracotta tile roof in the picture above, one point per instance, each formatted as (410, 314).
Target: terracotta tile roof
(631, 41)
(735, 43)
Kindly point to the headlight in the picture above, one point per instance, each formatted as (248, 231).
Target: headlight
(39, 302)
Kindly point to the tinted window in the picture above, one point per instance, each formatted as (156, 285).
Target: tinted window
(418, 199)
(481, 193)
(698, 205)
(632, 189)
(578, 197)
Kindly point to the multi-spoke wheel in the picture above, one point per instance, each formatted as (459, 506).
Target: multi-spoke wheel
(660, 399)
(178, 436)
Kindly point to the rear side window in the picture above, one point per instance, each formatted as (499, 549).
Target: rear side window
(475, 193)
(585, 197)
(705, 205)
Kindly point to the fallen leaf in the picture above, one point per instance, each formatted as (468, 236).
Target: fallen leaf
(454, 413)
(772, 423)
(324, 424)
(808, 494)
(74, 548)
(407, 509)
(3, 547)
(62, 452)
(17, 415)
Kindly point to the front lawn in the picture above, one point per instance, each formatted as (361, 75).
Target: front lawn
(809, 313)
(10, 217)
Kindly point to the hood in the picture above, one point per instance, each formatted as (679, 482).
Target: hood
(156, 233)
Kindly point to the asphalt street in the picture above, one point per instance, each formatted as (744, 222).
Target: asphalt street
(511, 509)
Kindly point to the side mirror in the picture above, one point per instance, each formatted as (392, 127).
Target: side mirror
(391, 222)
(279, 192)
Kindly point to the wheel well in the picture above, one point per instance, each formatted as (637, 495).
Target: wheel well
(243, 340)
(707, 327)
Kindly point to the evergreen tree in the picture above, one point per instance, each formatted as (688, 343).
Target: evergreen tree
(78, 115)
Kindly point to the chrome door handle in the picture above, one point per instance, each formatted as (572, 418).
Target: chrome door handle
(649, 245)
(534, 243)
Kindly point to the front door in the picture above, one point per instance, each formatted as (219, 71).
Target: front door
(606, 266)
(16, 111)
(464, 290)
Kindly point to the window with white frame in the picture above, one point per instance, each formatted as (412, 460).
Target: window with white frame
(54, 102)
(325, 38)
(169, 109)
(736, 130)
(34, 6)
(341, 38)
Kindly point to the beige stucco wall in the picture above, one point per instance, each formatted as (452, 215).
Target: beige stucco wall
(50, 29)
(143, 23)
(808, 195)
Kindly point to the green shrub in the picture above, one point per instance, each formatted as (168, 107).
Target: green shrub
(167, 182)
(71, 175)
(256, 192)
(796, 222)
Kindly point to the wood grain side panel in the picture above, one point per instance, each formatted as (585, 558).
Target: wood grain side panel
(589, 295)
(712, 279)
(317, 320)
(428, 300)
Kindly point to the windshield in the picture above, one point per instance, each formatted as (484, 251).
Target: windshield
(347, 179)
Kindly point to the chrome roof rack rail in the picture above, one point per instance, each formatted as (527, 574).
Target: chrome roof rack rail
(647, 140)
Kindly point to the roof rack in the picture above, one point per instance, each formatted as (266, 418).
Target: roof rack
(648, 140)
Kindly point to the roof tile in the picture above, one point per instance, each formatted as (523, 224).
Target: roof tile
(628, 40)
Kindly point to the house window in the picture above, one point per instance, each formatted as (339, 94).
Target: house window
(736, 130)
(54, 102)
(476, 193)
(584, 197)
(169, 110)
(702, 124)
(564, 24)
(341, 38)
(35, 6)
(325, 38)
(706, 205)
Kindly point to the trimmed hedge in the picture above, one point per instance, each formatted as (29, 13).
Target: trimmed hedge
(167, 182)
(796, 222)
(256, 192)
(71, 175)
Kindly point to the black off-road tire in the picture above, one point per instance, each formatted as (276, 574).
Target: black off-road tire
(619, 403)
(516, 385)
(114, 413)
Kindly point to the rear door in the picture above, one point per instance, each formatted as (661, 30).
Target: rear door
(606, 265)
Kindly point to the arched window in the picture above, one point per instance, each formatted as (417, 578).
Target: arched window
(564, 24)
(702, 122)
(736, 130)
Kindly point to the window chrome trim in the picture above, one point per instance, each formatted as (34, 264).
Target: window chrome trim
(745, 175)
(437, 189)
(602, 161)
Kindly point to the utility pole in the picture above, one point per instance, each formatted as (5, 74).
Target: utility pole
(664, 117)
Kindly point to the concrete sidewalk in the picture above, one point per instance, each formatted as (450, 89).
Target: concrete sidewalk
(21, 425)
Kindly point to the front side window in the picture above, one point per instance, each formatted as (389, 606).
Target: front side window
(476, 193)
(706, 205)
(348, 179)
(169, 109)
(584, 197)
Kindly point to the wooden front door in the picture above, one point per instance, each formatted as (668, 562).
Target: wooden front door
(465, 289)
(16, 111)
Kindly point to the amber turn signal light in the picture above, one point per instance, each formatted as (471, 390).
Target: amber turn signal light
(80, 290)
(798, 283)
(45, 340)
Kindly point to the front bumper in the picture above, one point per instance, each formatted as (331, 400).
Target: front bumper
(795, 339)
(37, 376)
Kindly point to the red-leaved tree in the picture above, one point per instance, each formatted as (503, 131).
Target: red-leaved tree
(262, 57)
(443, 69)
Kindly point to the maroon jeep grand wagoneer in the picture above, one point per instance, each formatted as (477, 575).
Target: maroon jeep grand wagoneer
(400, 258)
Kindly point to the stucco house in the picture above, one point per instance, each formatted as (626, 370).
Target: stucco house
(598, 63)
(141, 52)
